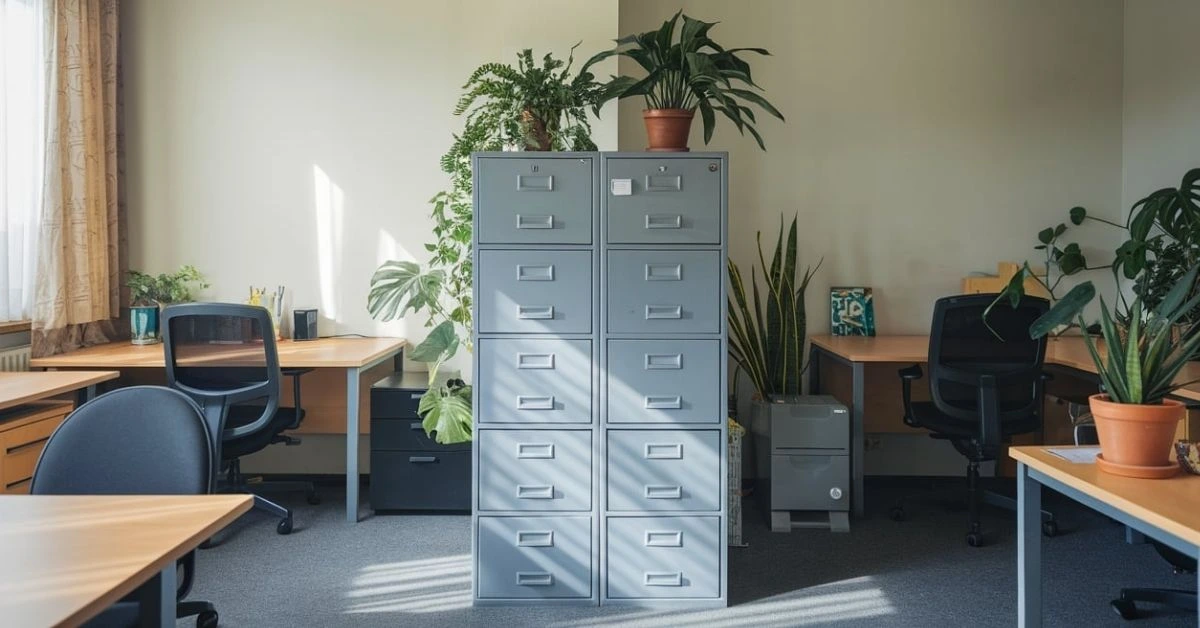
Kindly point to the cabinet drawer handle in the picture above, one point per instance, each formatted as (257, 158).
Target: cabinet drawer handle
(655, 361)
(422, 459)
(664, 451)
(529, 402)
(664, 183)
(535, 538)
(525, 221)
(663, 578)
(664, 311)
(535, 183)
(23, 446)
(535, 312)
(664, 402)
(664, 221)
(530, 272)
(660, 491)
(535, 451)
(416, 426)
(11, 485)
(664, 272)
(525, 491)
(664, 538)
(535, 360)
(416, 396)
(535, 579)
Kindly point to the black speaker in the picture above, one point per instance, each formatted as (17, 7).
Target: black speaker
(304, 324)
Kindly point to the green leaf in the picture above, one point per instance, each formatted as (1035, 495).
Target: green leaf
(397, 287)
(440, 345)
(1059, 229)
(446, 414)
(1064, 311)
(1078, 214)
(1133, 358)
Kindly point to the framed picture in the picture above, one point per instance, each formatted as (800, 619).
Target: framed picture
(851, 311)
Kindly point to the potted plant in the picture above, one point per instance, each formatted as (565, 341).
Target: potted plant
(147, 293)
(766, 334)
(686, 72)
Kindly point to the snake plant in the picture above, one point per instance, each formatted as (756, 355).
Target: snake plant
(767, 331)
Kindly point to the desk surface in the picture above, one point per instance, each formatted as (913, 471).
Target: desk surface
(319, 353)
(1167, 504)
(63, 559)
(19, 388)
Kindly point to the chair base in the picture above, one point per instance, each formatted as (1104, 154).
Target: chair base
(204, 612)
(1126, 606)
(235, 482)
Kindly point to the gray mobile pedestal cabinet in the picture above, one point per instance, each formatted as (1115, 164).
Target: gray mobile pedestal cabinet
(600, 365)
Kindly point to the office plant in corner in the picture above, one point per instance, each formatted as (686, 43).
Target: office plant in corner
(148, 293)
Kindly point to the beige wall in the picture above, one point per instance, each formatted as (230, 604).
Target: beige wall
(925, 138)
(1162, 95)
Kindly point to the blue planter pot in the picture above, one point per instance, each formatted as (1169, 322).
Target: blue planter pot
(143, 324)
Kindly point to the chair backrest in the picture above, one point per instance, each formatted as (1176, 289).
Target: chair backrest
(142, 440)
(964, 351)
(221, 354)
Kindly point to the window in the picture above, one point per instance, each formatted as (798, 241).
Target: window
(22, 112)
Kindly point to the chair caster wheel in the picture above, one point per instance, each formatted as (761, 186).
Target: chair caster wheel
(897, 514)
(313, 498)
(1050, 528)
(1125, 608)
(284, 526)
(974, 539)
(208, 619)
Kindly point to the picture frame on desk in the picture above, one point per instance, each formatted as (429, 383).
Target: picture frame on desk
(851, 311)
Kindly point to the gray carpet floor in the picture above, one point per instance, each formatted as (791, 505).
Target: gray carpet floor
(414, 570)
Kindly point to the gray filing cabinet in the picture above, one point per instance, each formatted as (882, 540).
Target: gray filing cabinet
(808, 468)
(599, 376)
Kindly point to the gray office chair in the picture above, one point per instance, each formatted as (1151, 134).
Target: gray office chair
(143, 440)
(223, 356)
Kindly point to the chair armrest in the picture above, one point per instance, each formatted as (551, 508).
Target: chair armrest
(907, 375)
(911, 372)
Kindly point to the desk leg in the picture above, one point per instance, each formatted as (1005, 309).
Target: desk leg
(1029, 549)
(352, 445)
(814, 370)
(857, 437)
(156, 600)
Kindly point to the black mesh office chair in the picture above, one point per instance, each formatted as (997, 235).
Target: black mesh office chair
(985, 386)
(142, 440)
(223, 356)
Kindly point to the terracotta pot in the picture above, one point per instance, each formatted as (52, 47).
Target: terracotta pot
(1135, 435)
(667, 129)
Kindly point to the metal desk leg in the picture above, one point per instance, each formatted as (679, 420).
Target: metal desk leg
(352, 445)
(857, 437)
(156, 600)
(1029, 549)
(814, 370)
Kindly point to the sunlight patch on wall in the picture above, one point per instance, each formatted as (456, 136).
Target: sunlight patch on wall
(330, 204)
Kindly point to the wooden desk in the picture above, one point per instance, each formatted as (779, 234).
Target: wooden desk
(1164, 510)
(17, 388)
(64, 559)
(354, 356)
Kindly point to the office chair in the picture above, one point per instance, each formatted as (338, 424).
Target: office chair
(142, 440)
(223, 356)
(985, 386)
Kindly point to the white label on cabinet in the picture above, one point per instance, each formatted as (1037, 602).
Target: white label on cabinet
(622, 187)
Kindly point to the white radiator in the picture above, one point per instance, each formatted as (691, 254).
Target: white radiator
(15, 359)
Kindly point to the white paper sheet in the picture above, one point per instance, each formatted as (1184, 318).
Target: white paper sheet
(1079, 455)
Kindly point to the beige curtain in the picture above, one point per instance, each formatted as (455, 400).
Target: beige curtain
(81, 241)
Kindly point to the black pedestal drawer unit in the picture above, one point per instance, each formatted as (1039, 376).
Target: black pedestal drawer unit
(409, 471)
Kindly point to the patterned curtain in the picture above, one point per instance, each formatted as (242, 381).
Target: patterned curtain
(81, 242)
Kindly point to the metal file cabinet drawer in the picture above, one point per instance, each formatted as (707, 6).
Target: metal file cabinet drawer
(667, 557)
(800, 482)
(671, 200)
(664, 381)
(535, 470)
(656, 470)
(664, 291)
(535, 201)
(534, 380)
(534, 557)
(533, 291)
(420, 480)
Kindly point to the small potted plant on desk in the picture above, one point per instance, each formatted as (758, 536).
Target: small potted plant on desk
(147, 293)
(1143, 352)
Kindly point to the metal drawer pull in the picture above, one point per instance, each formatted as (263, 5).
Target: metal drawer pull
(663, 578)
(664, 538)
(30, 445)
(664, 402)
(536, 312)
(664, 361)
(664, 451)
(535, 579)
(661, 491)
(525, 221)
(535, 183)
(422, 459)
(416, 396)
(535, 451)
(535, 360)
(664, 311)
(535, 538)
(663, 183)
(664, 272)
(528, 402)
(525, 491)
(416, 426)
(664, 221)
(529, 272)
